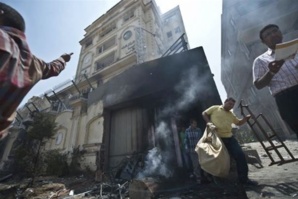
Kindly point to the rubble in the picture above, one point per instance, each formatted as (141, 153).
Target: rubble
(274, 182)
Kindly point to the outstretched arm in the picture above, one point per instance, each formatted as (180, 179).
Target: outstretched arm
(52, 68)
(243, 120)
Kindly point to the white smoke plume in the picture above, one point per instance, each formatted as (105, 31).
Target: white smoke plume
(157, 161)
(190, 88)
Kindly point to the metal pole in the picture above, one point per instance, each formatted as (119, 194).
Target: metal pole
(88, 81)
(58, 99)
(76, 86)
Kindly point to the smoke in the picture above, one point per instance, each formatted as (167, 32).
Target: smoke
(158, 159)
(115, 97)
(189, 88)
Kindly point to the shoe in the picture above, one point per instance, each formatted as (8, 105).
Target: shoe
(249, 182)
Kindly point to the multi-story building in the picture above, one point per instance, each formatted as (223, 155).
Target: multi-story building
(130, 33)
(241, 23)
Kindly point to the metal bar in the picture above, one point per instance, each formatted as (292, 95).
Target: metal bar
(19, 115)
(273, 146)
(280, 140)
(261, 142)
(34, 106)
(180, 40)
(26, 105)
(253, 130)
(58, 99)
(46, 96)
(76, 86)
(88, 81)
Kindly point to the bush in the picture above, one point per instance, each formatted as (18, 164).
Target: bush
(55, 163)
(76, 157)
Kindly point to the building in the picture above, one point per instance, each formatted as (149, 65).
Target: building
(241, 23)
(112, 106)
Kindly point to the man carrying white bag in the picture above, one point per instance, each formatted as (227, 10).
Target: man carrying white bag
(212, 147)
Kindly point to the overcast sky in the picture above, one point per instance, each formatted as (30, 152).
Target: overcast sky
(54, 27)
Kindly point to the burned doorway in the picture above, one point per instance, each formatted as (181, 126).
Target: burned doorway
(129, 128)
(194, 111)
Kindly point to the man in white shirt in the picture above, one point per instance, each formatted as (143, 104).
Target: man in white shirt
(281, 76)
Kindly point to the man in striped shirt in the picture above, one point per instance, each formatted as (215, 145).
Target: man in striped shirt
(20, 70)
(192, 135)
(281, 76)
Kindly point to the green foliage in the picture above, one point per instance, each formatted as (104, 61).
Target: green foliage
(44, 127)
(23, 162)
(55, 163)
(76, 158)
(26, 154)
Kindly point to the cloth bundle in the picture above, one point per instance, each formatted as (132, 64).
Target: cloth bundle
(214, 158)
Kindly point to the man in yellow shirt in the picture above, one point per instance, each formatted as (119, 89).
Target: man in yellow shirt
(221, 118)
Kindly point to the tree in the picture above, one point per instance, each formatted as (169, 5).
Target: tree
(42, 128)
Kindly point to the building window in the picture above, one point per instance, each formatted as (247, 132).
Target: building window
(88, 43)
(104, 62)
(130, 14)
(59, 138)
(169, 34)
(177, 30)
(107, 29)
(106, 45)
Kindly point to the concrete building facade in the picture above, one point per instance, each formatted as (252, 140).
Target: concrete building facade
(130, 33)
(241, 23)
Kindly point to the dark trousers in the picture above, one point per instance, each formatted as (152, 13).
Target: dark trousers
(236, 152)
(287, 103)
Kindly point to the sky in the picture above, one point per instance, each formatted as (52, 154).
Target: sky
(54, 27)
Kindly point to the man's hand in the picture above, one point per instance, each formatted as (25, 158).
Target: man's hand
(66, 57)
(211, 126)
(275, 65)
(247, 117)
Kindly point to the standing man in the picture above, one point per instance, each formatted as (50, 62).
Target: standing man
(281, 76)
(221, 118)
(20, 69)
(192, 135)
(185, 156)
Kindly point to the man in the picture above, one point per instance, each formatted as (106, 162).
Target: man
(221, 118)
(20, 70)
(185, 156)
(281, 76)
(192, 135)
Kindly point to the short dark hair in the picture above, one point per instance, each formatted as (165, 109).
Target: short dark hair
(266, 28)
(11, 17)
(230, 99)
(192, 120)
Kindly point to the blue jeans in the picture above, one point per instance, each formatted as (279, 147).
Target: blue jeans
(236, 152)
(186, 160)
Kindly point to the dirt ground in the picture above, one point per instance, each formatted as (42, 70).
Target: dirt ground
(275, 181)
